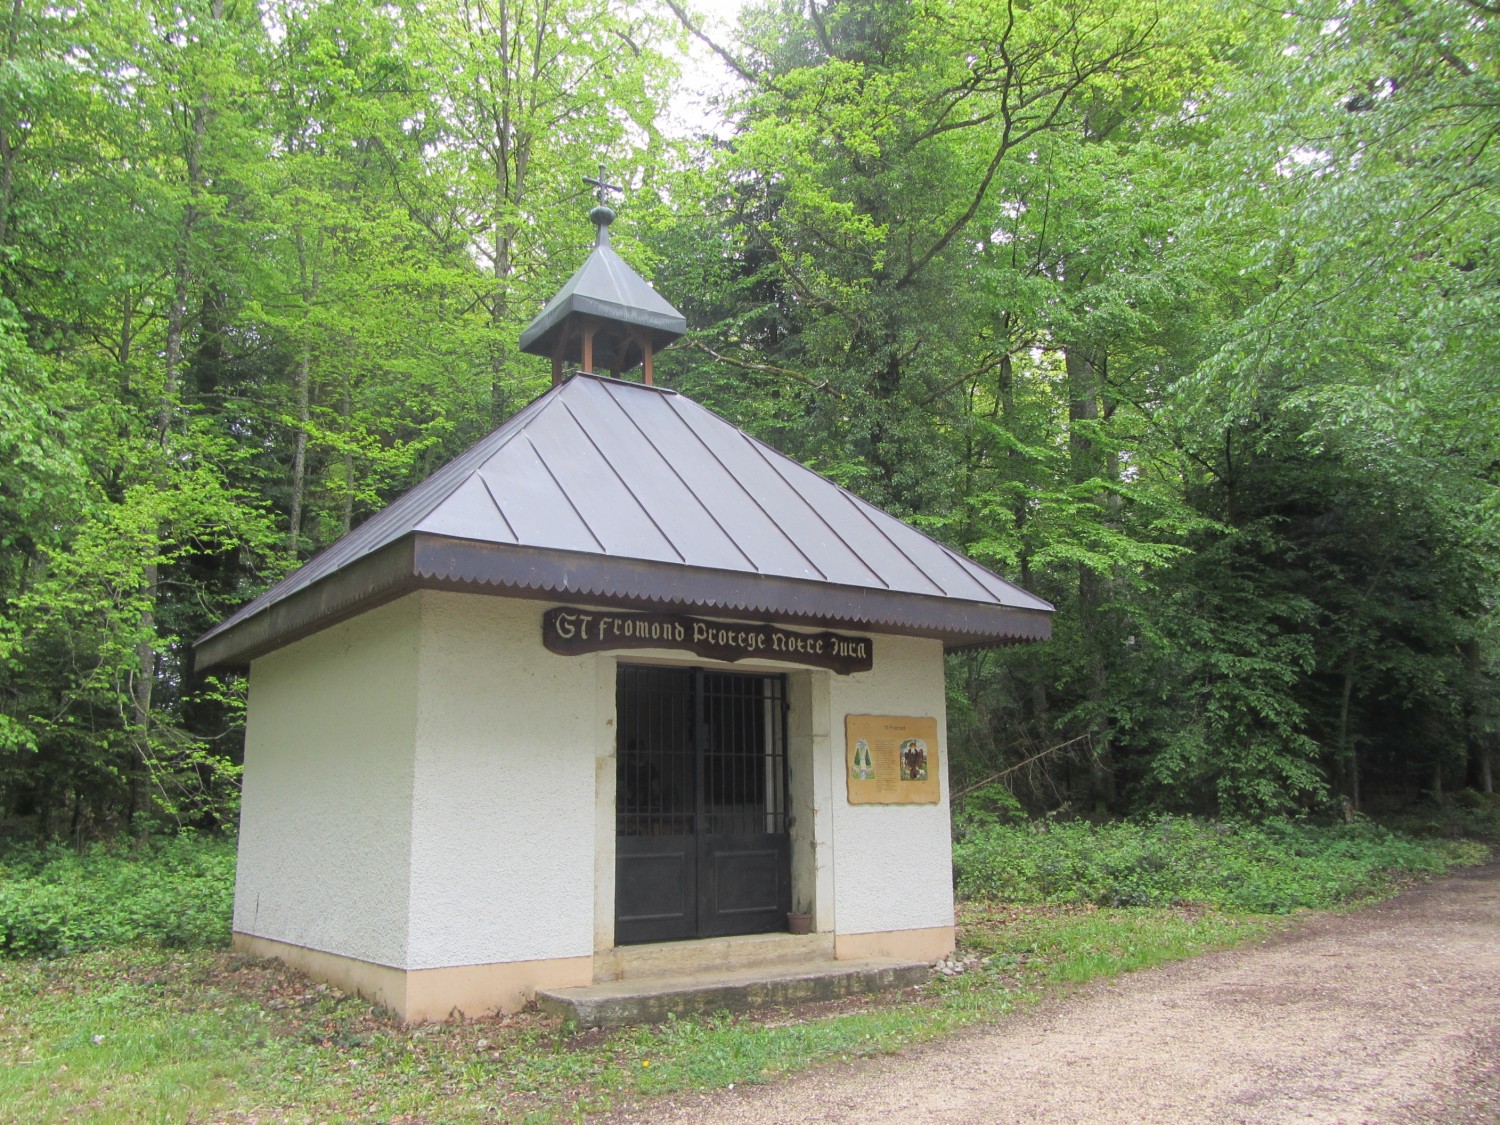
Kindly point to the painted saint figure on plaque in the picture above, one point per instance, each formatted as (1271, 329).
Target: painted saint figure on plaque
(863, 767)
(914, 760)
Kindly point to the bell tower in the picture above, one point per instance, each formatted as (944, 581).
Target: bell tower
(606, 318)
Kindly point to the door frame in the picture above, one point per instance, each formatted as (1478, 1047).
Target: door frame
(811, 788)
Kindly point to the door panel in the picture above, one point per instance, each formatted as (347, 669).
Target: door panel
(743, 885)
(655, 888)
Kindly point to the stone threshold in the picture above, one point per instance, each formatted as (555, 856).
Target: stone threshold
(678, 958)
(652, 999)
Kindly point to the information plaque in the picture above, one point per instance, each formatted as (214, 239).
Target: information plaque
(891, 760)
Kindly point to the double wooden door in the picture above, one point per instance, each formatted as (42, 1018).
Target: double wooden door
(702, 846)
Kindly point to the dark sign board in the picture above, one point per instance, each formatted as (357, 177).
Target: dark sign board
(572, 632)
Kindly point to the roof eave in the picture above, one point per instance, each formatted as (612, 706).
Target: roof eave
(423, 561)
(537, 338)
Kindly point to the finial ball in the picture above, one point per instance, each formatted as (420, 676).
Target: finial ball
(601, 216)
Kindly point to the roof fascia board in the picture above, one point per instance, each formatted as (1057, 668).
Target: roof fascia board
(372, 580)
(422, 561)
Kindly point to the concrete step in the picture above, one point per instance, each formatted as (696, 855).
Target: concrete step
(678, 958)
(652, 999)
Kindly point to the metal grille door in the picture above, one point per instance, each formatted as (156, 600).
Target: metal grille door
(702, 845)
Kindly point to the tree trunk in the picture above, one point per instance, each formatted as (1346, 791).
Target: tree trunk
(1475, 736)
(299, 453)
(1084, 367)
(499, 321)
(302, 384)
(7, 150)
(504, 196)
(512, 186)
(145, 649)
(346, 405)
(1005, 386)
(127, 334)
(166, 412)
(141, 689)
(1347, 756)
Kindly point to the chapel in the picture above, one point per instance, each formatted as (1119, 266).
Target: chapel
(619, 698)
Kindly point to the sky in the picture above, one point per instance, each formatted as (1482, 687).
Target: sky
(703, 73)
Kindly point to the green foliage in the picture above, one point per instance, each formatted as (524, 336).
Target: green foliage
(252, 287)
(1027, 297)
(986, 807)
(1267, 868)
(175, 892)
(1181, 314)
(1467, 814)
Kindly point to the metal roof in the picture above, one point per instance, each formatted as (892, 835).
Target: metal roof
(615, 493)
(605, 286)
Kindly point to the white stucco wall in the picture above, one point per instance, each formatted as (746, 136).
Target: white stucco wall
(503, 814)
(325, 832)
(426, 787)
(892, 864)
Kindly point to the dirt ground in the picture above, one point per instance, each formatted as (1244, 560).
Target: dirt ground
(1389, 1016)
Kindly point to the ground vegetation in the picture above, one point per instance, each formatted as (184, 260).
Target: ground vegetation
(123, 1003)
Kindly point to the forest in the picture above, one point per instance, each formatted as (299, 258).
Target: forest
(1179, 313)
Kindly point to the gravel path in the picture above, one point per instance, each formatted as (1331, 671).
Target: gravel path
(1388, 1016)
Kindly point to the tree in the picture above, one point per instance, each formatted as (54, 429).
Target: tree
(526, 98)
(1372, 342)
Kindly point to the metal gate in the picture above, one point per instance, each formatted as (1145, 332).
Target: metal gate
(702, 846)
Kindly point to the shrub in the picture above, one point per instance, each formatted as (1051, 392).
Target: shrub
(1271, 867)
(1466, 814)
(176, 892)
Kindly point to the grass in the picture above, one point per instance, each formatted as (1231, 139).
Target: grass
(140, 1032)
(148, 1035)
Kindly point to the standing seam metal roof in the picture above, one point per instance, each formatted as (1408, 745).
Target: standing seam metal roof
(631, 494)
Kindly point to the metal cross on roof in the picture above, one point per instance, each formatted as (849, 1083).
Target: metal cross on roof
(602, 184)
(601, 216)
